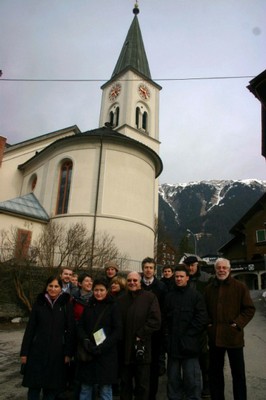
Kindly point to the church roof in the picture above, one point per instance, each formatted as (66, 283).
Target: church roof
(133, 53)
(27, 206)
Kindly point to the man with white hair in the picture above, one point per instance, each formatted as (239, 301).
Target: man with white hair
(230, 308)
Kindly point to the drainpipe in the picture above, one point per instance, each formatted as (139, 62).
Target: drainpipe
(96, 203)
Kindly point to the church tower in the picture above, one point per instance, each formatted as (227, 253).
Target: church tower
(130, 99)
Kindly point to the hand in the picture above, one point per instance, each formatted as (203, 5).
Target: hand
(67, 359)
(23, 359)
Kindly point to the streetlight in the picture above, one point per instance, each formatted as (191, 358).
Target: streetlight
(195, 240)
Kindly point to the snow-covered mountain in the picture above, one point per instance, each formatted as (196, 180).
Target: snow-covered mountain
(208, 208)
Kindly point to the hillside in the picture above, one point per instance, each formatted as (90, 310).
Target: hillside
(208, 208)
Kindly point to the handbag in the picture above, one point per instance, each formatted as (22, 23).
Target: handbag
(82, 354)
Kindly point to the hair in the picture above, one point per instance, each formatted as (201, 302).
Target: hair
(122, 282)
(63, 268)
(168, 267)
(148, 260)
(224, 260)
(181, 268)
(100, 281)
(135, 272)
(83, 276)
(51, 279)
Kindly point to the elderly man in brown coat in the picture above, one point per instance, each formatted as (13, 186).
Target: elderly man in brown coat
(230, 308)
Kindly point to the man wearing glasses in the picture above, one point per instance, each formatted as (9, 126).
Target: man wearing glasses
(141, 317)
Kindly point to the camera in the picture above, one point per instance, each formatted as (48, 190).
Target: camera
(139, 351)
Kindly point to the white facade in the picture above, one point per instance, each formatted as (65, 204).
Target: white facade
(114, 186)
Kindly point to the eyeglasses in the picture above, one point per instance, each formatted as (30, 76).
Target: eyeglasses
(132, 280)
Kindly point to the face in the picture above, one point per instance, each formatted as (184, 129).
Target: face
(74, 280)
(167, 273)
(86, 284)
(115, 287)
(100, 292)
(66, 275)
(192, 268)
(148, 270)
(181, 278)
(222, 270)
(110, 272)
(133, 281)
(53, 289)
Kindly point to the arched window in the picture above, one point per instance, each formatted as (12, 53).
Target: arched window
(64, 187)
(111, 118)
(117, 116)
(137, 117)
(144, 120)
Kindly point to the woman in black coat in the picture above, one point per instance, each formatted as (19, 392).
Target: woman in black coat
(48, 342)
(102, 317)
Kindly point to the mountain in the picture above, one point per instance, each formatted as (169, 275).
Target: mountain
(209, 209)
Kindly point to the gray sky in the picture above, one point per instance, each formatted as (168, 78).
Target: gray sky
(209, 129)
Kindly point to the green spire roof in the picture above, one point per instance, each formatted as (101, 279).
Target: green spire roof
(133, 52)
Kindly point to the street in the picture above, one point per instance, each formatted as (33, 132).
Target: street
(255, 357)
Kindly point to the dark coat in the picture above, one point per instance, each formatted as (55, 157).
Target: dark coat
(184, 318)
(103, 368)
(228, 302)
(141, 317)
(48, 338)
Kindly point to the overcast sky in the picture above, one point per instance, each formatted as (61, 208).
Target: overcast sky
(209, 128)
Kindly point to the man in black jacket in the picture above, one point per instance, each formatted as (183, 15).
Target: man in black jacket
(141, 317)
(184, 318)
(151, 284)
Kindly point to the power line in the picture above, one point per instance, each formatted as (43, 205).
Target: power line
(126, 80)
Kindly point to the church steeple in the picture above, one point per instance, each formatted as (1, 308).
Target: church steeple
(133, 53)
(130, 99)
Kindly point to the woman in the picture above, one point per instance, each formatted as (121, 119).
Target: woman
(48, 342)
(81, 297)
(99, 329)
(118, 286)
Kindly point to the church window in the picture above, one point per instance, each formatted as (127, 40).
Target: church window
(117, 116)
(114, 117)
(141, 119)
(64, 187)
(137, 116)
(144, 120)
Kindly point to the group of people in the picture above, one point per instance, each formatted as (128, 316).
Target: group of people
(121, 334)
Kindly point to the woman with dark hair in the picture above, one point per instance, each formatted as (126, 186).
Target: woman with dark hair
(81, 297)
(99, 330)
(48, 342)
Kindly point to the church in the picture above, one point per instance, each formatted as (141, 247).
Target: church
(105, 178)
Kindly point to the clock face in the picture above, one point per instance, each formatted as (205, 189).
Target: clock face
(144, 91)
(115, 91)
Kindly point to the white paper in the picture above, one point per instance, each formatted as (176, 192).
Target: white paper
(99, 336)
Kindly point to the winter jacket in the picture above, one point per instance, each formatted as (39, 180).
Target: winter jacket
(184, 318)
(103, 368)
(79, 302)
(48, 338)
(141, 317)
(228, 302)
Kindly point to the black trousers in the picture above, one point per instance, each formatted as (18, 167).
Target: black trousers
(216, 372)
(135, 381)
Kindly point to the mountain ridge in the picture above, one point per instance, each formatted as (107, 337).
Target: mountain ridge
(207, 208)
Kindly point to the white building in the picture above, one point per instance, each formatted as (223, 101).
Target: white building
(105, 177)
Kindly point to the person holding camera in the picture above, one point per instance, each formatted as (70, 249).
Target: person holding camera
(141, 317)
(184, 318)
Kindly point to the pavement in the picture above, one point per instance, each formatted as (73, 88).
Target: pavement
(255, 359)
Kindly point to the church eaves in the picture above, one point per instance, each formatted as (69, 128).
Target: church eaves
(133, 53)
(25, 206)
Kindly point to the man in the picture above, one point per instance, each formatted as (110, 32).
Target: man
(199, 280)
(184, 318)
(151, 284)
(66, 275)
(168, 277)
(230, 308)
(111, 269)
(141, 317)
